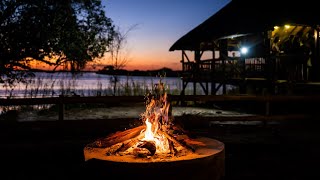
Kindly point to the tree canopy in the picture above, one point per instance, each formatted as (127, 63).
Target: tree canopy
(56, 32)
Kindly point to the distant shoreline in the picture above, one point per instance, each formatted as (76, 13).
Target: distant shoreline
(161, 72)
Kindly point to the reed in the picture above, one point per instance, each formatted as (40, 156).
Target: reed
(51, 86)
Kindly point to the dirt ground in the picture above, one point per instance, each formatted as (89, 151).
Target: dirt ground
(51, 149)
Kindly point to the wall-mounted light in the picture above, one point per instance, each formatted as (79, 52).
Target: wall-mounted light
(244, 50)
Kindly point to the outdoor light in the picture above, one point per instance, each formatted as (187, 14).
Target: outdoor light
(287, 26)
(276, 27)
(244, 50)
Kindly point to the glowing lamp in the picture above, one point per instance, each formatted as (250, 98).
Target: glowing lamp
(244, 50)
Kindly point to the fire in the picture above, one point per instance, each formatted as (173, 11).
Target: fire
(148, 135)
(161, 142)
(156, 146)
(156, 117)
(159, 135)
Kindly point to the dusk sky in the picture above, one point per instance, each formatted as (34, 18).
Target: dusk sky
(158, 24)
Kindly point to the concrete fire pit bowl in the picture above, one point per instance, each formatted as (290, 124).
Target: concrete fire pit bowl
(206, 162)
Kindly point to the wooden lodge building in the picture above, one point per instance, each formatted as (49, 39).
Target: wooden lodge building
(213, 56)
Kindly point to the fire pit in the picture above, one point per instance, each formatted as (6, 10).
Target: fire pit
(159, 148)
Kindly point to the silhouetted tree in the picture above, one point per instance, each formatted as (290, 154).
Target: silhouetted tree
(57, 32)
(119, 57)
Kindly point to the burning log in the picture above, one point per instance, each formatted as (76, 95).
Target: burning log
(181, 143)
(128, 143)
(173, 150)
(149, 145)
(132, 140)
(118, 137)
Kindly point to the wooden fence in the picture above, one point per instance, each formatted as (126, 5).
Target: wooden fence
(62, 100)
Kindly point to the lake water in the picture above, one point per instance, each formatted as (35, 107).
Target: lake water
(91, 84)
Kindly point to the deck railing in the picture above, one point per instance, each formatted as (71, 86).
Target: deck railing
(217, 69)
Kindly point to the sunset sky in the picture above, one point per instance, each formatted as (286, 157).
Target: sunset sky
(158, 24)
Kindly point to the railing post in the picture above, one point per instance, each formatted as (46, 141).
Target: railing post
(267, 108)
(61, 108)
(267, 100)
(267, 111)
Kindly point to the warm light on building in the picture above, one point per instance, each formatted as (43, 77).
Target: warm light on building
(287, 26)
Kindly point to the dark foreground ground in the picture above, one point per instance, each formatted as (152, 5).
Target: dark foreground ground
(54, 150)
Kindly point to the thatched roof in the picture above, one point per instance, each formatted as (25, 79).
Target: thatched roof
(248, 16)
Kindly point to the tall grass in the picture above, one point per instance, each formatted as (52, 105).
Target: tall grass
(50, 86)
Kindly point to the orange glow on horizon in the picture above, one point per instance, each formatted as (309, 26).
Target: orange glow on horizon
(140, 62)
(149, 61)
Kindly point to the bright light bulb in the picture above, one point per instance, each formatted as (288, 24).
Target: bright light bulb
(244, 50)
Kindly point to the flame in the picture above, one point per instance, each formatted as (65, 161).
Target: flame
(158, 136)
(148, 135)
(162, 143)
(156, 117)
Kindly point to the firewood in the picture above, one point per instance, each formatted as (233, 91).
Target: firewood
(113, 149)
(141, 152)
(173, 150)
(129, 143)
(118, 137)
(150, 145)
(181, 143)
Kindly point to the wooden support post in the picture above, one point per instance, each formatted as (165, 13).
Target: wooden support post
(213, 85)
(196, 71)
(315, 63)
(207, 88)
(223, 45)
(183, 71)
(182, 94)
(270, 62)
(213, 88)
